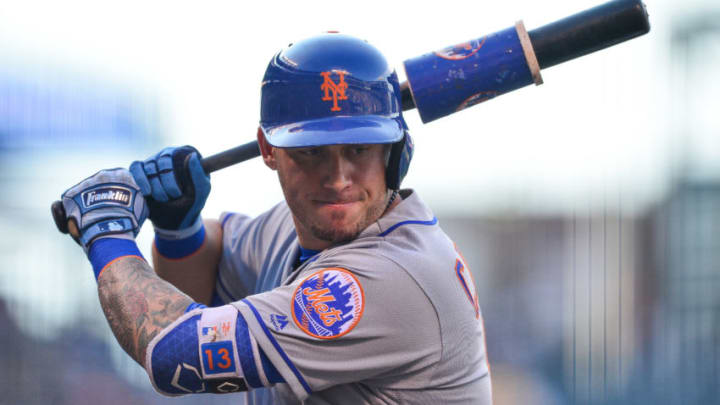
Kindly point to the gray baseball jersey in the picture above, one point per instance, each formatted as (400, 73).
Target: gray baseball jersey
(390, 317)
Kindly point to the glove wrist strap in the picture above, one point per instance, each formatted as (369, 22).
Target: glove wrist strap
(106, 227)
(178, 234)
(178, 244)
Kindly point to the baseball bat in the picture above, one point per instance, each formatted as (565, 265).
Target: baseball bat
(427, 89)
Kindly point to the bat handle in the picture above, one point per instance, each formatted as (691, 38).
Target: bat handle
(58, 214)
(229, 157)
(406, 100)
(61, 221)
(209, 164)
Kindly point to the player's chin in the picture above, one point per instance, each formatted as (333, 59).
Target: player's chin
(341, 225)
(336, 235)
(338, 229)
(339, 216)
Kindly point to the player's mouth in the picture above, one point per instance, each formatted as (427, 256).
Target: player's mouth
(337, 204)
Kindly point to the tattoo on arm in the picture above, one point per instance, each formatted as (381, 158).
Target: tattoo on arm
(138, 304)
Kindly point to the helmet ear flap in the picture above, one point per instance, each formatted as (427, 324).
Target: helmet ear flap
(400, 155)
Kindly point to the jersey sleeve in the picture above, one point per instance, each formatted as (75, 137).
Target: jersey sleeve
(336, 324)
(208, 350)
(249, 246)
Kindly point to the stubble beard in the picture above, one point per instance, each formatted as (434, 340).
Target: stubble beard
(335, 235)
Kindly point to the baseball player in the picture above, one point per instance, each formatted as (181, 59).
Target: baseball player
(347, 292)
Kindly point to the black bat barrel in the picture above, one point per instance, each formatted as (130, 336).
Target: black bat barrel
(589, 31)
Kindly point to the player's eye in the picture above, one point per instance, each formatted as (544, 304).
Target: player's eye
(308, 152)
(359, 150)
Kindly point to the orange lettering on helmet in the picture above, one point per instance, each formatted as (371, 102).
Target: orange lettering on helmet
(337, 89)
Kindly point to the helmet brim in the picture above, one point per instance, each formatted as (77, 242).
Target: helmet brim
(338, 130)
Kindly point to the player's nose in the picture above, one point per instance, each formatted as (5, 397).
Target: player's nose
(338, 171)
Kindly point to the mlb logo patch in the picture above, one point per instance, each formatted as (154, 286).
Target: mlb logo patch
(114, 225)
(328, 304)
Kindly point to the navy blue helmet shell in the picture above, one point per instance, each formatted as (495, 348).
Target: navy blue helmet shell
(330, 89)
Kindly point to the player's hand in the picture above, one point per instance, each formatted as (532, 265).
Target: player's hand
(106, 204)
(174, 195)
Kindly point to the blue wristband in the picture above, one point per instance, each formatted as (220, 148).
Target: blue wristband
(106, 250)
(180, 247)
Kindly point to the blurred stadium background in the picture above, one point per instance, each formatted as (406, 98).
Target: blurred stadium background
(588, 208)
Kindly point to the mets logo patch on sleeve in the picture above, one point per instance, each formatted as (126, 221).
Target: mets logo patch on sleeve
(328, 303)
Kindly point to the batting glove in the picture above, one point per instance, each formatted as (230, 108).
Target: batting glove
(107, 203)
(108, 210)
(175, 197)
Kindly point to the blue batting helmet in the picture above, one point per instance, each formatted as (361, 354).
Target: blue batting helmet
(335, 89)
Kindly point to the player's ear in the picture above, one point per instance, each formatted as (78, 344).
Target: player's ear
(266, 150)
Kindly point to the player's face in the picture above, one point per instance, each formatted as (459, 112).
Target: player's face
(334, 192)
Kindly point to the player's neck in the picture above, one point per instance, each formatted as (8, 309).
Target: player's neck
(393, 202)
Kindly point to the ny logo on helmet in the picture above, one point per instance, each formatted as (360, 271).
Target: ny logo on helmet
(337, 89)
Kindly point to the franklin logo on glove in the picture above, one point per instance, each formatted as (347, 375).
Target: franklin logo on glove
(114, 194)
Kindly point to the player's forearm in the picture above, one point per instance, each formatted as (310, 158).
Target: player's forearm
(138, 304)
(195, 274)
